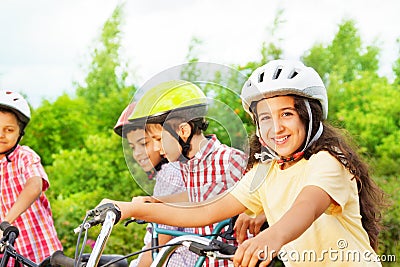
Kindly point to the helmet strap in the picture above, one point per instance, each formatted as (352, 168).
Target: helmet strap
(153, 172)
(318, 134)
(8, 152)
(184, 145)
(266, 155)
(294, 157)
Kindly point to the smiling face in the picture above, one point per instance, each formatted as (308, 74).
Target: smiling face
(9, 131)
(143, 149)
(281, 128)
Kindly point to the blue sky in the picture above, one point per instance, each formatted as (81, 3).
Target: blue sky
(45, 44)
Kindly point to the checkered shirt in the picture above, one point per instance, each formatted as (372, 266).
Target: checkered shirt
(169, 181)
(214, 169)
(38, 238)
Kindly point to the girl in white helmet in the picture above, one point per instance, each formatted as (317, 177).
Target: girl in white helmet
(23, 183)
(316, 193)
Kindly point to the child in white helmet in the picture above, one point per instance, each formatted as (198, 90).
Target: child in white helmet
(23, 183)
(317, 195)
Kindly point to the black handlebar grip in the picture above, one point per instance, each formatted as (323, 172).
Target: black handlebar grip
(117, 212)
(224, 248)
(7, 228)
(59, 259)
(227, 249)
(102, 210)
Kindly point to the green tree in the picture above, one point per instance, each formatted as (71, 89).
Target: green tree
(105, 88)
(396, 66)
(345, 57)
(93, 167)
(81, 178)
(57, 126)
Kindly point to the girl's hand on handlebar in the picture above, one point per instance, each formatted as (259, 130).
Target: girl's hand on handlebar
(246, 223)
(262, 248)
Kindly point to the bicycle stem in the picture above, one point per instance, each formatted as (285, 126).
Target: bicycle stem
(102, 239)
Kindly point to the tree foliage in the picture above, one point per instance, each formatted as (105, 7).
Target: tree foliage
(105, 88)
(57, 126)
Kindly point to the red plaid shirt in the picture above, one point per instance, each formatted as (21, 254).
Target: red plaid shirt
(38, 237)
(214, 169)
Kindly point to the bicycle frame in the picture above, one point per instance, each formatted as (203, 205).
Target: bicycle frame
(165, 252)
(101, 240)
(107, 216)
(201, 259)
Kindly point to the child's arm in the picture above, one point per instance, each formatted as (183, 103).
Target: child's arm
(178, 197)
(31, 191)
(189, 214)
(308, 206)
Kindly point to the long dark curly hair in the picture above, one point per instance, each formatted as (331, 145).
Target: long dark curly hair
(340, 145)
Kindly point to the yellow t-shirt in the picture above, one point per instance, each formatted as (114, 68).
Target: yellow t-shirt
(337, 237)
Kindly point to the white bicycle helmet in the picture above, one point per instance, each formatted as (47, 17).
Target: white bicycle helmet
(16, 103)
(283, 77)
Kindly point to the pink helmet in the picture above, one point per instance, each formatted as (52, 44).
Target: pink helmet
(123, 119)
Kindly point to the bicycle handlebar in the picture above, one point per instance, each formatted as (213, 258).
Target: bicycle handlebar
(7, 228)
(224, 248)
(107, 215)
(59, 259)
(99, 215)
(202, 246)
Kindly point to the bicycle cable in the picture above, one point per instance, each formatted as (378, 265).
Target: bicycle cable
(139, 252)
(78, 255)
(150, 249)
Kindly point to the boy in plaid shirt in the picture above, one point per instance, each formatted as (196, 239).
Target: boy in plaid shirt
(23, 182)
(167, 176)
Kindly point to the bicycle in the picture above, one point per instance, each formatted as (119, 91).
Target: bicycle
(107, 215)
(199, 243)
(203, 246)
(156, 231)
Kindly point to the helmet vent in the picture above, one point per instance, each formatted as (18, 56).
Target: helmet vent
(261, 77)
(293, 74)
(277, 73)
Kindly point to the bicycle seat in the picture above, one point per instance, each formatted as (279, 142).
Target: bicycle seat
(107, 258)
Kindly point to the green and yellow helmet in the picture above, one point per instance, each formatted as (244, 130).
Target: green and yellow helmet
(171, 99)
